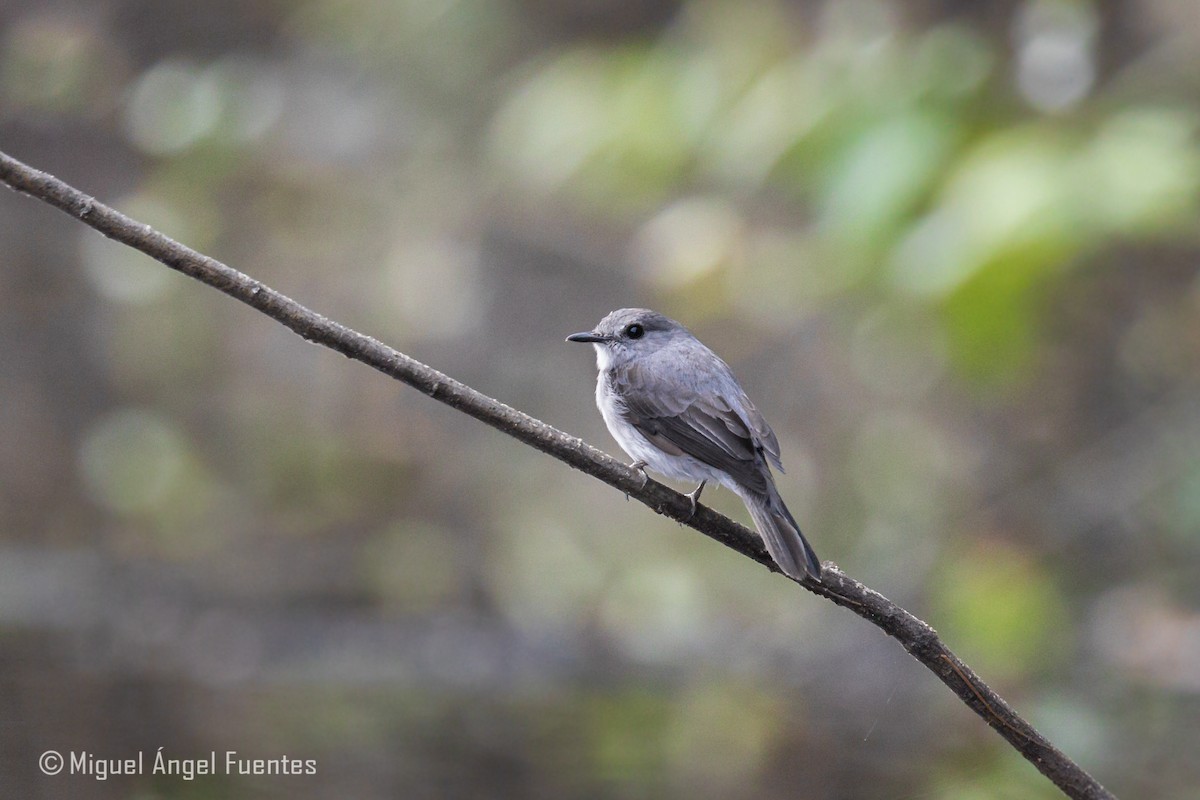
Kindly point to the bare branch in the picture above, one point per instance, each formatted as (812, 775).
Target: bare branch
(915, 636)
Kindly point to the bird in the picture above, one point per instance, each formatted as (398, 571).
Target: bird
(675, 407)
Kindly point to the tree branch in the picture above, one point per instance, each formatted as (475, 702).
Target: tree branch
(915, 636)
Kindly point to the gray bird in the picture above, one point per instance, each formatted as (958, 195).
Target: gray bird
(674, 406)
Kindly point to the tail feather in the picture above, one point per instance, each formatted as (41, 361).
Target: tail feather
(782, 536)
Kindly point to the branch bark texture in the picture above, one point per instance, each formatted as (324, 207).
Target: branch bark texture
(918, 638)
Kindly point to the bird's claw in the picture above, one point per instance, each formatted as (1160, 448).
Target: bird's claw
(694, 497)
(640, 466)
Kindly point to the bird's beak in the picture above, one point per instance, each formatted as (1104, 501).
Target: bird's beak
(587, 336)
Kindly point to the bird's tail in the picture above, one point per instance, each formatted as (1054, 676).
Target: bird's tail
(782, 535)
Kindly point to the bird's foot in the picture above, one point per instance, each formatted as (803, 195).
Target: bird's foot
(640, 466)
(694, 496)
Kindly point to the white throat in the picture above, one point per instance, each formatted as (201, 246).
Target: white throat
(604, 357)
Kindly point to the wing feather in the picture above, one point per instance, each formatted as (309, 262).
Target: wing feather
(695, 415)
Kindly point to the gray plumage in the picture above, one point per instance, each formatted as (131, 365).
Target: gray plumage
(674, 406)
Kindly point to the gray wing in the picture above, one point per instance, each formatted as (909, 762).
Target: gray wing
(696, 418)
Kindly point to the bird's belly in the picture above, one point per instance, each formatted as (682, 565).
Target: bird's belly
(677, 467)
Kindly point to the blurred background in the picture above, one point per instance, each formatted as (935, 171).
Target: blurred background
(949, 247)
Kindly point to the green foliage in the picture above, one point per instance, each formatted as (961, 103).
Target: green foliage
(901, 146)
(1001, 612)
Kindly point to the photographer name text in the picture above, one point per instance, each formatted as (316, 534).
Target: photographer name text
(230, 762)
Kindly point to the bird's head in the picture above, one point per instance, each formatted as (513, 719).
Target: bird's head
(628, 333)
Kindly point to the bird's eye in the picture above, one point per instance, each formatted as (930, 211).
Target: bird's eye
(635, 331)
